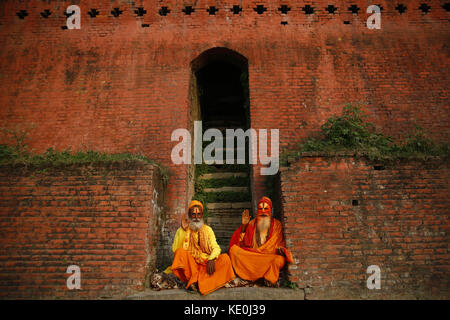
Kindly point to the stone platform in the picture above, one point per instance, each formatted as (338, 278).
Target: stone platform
(242, 293)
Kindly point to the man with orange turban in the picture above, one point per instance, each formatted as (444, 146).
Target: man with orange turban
(257, 248)
(197, 259)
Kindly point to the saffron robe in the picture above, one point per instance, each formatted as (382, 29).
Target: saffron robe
(192, 250)
(251, 262)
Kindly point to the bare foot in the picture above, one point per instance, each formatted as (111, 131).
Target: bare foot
(267, 283)
(193, 287)
(237, 282)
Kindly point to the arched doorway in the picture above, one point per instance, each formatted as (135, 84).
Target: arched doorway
(219, 95)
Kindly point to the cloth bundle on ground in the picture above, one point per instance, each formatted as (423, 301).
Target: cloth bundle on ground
(161, 280)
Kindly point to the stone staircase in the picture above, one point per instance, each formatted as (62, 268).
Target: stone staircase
(225, 217)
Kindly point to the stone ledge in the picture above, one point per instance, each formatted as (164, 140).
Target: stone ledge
(135, 164)
(227, 189)
(359, 155)
(245, 293)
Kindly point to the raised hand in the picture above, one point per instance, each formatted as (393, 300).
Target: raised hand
(184, 222)
(245, 220)
(245, 217)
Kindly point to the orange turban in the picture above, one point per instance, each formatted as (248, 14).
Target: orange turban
(264, 206)
(195, 203)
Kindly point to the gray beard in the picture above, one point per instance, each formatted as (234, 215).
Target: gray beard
(195, 226)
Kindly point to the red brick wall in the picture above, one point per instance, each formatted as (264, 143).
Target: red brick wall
(401, 224)
(104, 217)
(114, 86)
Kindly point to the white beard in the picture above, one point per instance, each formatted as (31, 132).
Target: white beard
(195, 226)
(263, 224)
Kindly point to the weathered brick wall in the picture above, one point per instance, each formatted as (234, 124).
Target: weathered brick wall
(116, 86)
(103, 217)
(400, 223)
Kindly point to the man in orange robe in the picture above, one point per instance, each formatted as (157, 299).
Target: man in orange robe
(257, 248)
(197, 259)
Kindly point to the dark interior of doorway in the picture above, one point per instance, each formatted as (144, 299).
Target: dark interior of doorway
(223, 95)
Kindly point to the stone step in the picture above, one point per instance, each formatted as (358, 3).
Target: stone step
(223, 223)
(238, 294)
(227, 189)
(223, 244)
(225, 233)
(224, 240)
(225, 219)
(223, 229)
(230, 212)
(229, 205)
(217, 225)
(223, 175)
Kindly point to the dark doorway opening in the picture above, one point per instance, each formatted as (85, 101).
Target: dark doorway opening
(222, 96)
(220, 99)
